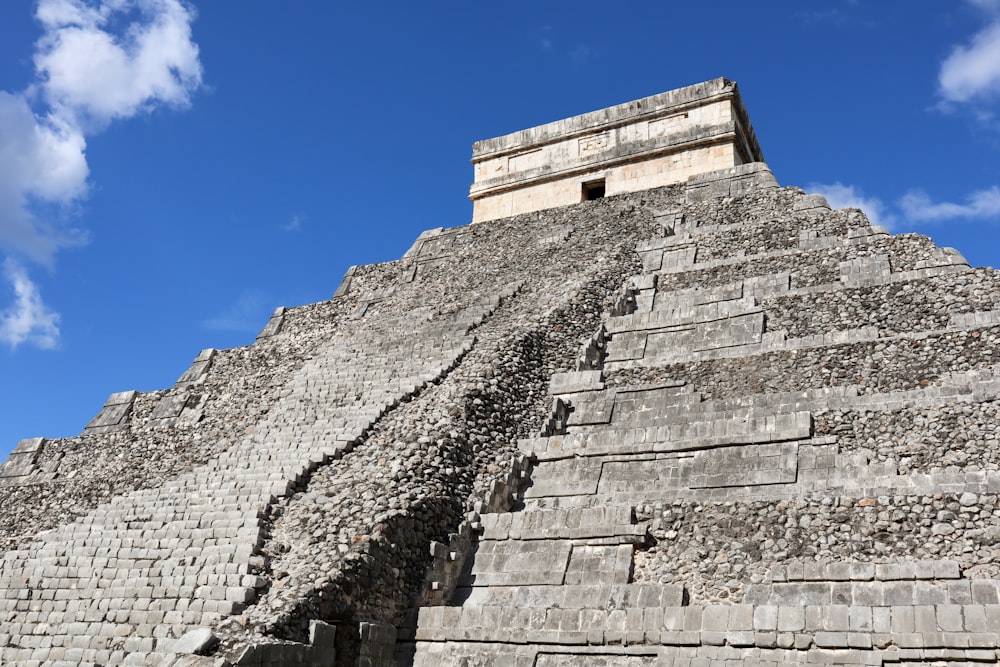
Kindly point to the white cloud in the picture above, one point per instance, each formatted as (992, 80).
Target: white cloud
(545, 38)
(848, 196)
(41, 160)
(980, 205)
(986, 5)
(90, 71)
(27, 319)
(973, 70)
(916, 206)
(96, 75)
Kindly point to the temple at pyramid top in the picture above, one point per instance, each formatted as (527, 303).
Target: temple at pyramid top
(651, 142)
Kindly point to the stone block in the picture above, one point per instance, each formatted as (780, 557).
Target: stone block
(791, 619)
(715, 618)
(949, 617)
(860, 619)
(825, 639)
(765, 618)
(114, 412)
(810, 203)
(273, 326)
(194, 641)
(741, 617)
(862, 571)
(959, 592)
(170, 405)
(984, 592)
(925, 619)
(674, 618)
(22, 459)
(199, 367)
(577, 381)
(693, 619)
(898, 594)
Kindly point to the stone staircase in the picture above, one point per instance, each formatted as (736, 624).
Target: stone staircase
(778, 446)
(709, 492)
(127, 582)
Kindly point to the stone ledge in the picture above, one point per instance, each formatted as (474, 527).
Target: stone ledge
(676, 438)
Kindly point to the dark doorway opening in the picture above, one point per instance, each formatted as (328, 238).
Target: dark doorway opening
(593, 190)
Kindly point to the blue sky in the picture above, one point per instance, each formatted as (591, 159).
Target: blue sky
(170, 172)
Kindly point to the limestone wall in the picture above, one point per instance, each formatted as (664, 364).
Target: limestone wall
(636, 146)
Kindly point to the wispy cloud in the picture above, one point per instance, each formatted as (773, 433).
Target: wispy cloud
(555, 46)
(97, 61)
(822, 16)
(41, 161)
(545, 38)
(248, 313)
(914, 208)
(836, 16)
(293, 225)
(917, 206)
(849, 196)
(971, 72)
(581, 54)
(27, 319)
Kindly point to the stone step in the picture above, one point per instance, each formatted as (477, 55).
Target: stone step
(581, 596)
(573, 524)
(690, 436)
(547, 563)
(462, 654)
(813, 263)
(677, 313)
(875, 593)
(674, 404)
(737, 625)
(666, 342)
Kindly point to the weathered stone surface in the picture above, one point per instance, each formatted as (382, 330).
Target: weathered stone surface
(691, 134)
(194, 641)
(712, 423)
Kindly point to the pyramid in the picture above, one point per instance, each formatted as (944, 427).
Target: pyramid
(650, 408)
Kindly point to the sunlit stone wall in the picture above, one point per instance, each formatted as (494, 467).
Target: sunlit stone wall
(651, 142)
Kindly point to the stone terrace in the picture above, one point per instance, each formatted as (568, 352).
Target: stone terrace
(714, 423)
(281, 489)
(782, 450)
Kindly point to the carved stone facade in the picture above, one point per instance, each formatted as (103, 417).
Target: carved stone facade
(635, 146)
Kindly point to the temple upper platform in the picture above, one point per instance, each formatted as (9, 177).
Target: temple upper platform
(643, 144)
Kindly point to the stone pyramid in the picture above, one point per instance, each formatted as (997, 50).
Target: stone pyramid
(650, 409)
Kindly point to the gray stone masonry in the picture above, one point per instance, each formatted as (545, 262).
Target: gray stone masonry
(302, 479)
(22, 460)
(114, 413)
(716, 423)
(708, 437)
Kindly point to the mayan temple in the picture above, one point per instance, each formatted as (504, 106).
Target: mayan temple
(649, 408)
